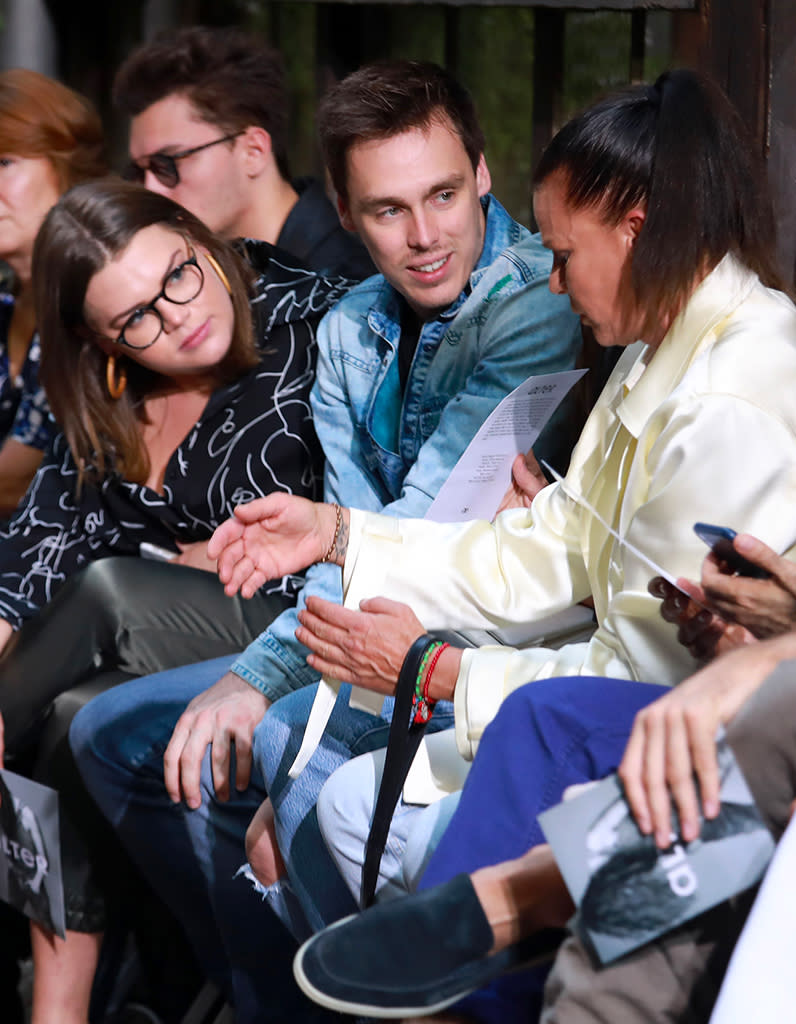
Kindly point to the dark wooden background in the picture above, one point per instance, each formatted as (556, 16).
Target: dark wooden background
(529, 65)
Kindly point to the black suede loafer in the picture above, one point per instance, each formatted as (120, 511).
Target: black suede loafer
(411, 956)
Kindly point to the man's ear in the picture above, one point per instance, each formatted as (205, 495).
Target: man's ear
(483, 178)
(344, 213)
(256, 150)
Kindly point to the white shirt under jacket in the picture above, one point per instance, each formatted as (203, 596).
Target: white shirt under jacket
(705, 430)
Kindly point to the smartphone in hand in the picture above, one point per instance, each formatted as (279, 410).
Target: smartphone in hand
(719, 539)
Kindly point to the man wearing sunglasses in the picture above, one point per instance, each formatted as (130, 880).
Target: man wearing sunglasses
(209, 111)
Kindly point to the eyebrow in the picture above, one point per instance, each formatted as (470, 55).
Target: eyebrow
(371, 203)
(127, 313)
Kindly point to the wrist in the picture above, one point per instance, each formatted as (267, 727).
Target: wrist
(442, 684)
(335, 550)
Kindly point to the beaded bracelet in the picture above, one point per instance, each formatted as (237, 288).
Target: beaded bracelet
(431, 667)
(423, 704)
(422, 668)
(338, 523)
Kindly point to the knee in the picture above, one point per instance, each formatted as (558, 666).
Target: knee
(530, 710)
(101, 583)
(571, 706)
(541, 698)
(346, 801)
(278, 734)
(120, 728)
(86, 733)
(262, 848)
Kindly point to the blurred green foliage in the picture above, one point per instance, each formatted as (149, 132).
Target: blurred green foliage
(496, 64)
(596, 57)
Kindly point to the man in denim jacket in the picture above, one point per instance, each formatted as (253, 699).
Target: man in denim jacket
(411, 362)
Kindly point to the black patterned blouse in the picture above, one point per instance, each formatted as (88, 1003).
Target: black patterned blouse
(255, 436)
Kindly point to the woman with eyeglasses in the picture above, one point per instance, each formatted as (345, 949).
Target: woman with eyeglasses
(50, 139)
(173, 410)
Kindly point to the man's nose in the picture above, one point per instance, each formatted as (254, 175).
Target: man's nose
(423, 232)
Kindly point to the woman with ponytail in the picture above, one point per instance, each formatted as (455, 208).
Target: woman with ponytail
(655, 208)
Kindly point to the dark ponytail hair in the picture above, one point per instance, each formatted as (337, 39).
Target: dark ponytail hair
(679, 148)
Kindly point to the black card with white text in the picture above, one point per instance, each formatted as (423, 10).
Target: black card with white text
(626, 890)
(30, 852)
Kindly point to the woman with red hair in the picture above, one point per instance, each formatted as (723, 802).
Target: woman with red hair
(50, 139)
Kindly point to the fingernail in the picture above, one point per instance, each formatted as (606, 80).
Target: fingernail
(710, 808)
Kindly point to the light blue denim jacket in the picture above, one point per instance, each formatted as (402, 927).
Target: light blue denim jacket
(388, 455)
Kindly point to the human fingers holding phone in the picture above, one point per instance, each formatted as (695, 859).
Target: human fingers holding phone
(730, 558)
(749, 587)
(701, 627)
(764, 607)
(704, 633)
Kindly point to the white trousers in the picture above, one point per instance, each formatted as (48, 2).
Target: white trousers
(345, 809)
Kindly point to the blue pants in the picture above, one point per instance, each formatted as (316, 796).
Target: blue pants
(548, 735)
(314, 878)
(190, 857)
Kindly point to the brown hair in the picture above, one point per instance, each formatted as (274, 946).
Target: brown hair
(40, 117)
(678, 147)
(389, 97)
(87, 227)
(232, 79)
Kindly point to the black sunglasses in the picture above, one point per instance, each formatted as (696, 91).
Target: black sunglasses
(164, 165)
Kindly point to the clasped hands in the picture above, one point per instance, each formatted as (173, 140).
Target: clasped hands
(365, 647)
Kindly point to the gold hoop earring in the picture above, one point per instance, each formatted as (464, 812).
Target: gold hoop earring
(219, 271)
(116, 384)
